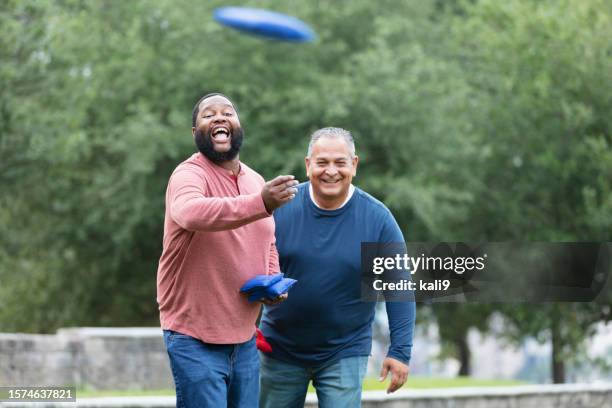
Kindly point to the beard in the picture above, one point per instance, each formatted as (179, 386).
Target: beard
(205, 145)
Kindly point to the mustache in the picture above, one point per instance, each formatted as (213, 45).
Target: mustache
(203, 141)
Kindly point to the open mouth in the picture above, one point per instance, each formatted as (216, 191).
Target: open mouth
(220, 133)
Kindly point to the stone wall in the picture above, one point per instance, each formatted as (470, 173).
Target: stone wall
(91, 358)
(135, 358)
(536, 396)
(531, 396)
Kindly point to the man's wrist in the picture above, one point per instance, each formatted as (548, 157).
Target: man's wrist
(401, 359)
(263, 200)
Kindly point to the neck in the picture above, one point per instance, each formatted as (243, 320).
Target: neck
(328, 203)
(232, 165)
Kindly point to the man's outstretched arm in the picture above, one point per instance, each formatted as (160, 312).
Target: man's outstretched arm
(194, 211)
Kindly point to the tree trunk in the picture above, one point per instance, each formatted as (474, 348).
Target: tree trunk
(463, 350)
(558, 365)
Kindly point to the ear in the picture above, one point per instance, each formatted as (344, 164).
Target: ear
(355, 163)
(193, 131)
(307, 164)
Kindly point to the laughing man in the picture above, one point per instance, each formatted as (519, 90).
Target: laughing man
(218, 233)
(323, 332)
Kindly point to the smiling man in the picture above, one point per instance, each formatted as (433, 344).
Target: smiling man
(218, 233)
(323, 332)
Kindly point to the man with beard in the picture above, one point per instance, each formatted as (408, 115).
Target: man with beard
(218, 233)
(323, 332)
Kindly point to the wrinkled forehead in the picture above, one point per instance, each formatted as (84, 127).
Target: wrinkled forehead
(215, 100)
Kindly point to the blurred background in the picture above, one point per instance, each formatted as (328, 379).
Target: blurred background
(474, 120)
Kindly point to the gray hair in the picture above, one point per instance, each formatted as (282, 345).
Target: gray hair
(332, 133)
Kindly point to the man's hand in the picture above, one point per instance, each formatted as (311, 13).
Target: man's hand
(278, 191)
(280, 298)
(399, 373)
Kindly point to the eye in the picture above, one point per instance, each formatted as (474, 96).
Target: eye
(207, 115)
(228, 114)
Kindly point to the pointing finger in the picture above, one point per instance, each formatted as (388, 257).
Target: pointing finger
(280, 180)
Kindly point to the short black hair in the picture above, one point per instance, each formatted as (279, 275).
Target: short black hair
(196, 108)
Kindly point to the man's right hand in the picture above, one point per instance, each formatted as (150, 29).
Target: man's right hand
(275, 301)
(278, 191)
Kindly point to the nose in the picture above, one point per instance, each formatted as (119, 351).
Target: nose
(219, 118)
(331, 170)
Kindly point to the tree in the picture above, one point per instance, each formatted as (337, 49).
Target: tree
(537, 70)
(475, 121)
(96, 116)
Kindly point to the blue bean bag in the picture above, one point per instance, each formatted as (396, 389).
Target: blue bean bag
(267, 286)
(260, 282)
(274, 291)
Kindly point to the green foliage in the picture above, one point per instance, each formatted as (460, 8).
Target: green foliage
(543, 70)
(542, 73)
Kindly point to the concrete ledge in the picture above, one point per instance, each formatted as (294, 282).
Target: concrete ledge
(531, 396)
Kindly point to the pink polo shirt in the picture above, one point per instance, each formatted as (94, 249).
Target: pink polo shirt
(217, 235)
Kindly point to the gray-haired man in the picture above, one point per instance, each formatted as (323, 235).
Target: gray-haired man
(323, 332)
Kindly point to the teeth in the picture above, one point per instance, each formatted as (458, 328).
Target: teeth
(220, 130)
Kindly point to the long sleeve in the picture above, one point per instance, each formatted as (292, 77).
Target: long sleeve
(206, 258)
(401, 308)
(401, 317)
(194, 211)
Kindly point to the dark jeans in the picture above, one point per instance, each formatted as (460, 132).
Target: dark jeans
(213, 375)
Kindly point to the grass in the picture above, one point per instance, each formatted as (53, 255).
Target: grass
(123, 393)
(370, 384)
(429, 382)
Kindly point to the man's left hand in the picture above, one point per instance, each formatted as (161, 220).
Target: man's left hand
(399, 373)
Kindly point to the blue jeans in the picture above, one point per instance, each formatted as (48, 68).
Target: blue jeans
(213, 375)
(337, 384)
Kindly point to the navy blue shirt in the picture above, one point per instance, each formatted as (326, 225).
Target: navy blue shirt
(324, 318)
